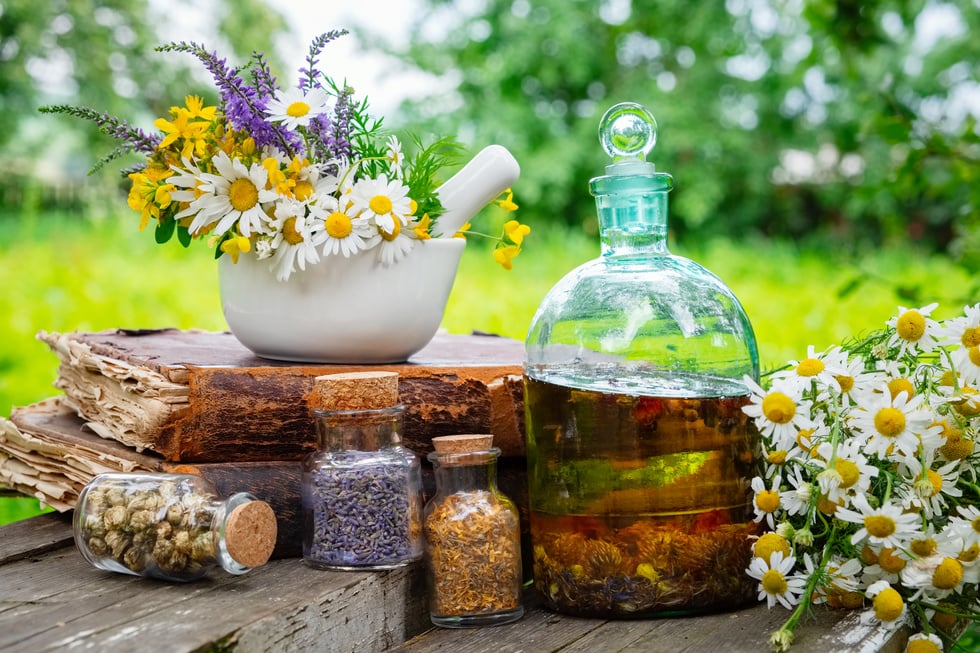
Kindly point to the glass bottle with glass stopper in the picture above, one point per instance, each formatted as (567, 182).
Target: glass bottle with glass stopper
(639, 455)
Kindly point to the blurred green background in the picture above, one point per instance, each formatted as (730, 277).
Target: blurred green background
(825, 153)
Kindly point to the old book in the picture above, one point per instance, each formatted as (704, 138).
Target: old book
(198, 397)
(48, 452)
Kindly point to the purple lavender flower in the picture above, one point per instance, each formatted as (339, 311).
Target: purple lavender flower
(243, 105)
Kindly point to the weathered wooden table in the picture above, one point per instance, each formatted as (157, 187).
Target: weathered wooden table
(52, 600)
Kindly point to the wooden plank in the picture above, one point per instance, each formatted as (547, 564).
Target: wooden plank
(747, 630)
(58, 602)
(35, 536)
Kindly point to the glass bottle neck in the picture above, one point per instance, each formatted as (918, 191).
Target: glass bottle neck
(465, 472)
(632, 211)
(358, 430)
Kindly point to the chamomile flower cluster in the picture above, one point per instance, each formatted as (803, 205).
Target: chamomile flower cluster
(869, 487)
(287, 175)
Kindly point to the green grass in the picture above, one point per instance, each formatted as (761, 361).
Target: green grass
(64, 273)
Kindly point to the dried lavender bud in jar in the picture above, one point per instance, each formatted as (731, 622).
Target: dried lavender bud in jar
(363, 516)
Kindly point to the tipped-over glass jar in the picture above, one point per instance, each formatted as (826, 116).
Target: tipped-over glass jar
(170, 526)
(639, 455)
(472, 538)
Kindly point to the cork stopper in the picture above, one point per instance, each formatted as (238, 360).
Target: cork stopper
(464, 443)
(355, 391)
(250, 533)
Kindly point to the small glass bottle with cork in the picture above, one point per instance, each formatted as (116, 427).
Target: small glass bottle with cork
(171, 527)
(472, 537)
(361, 489)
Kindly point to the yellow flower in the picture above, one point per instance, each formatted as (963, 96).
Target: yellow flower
(421, 228)
(515, 231)
(505, 255)
(507, 203)
(235, 246)
(461, 232)
(149, 193)
(195, 106)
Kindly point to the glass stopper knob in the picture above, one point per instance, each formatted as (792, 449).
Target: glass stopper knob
(628, 131)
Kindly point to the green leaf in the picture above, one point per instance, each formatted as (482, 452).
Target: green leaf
(165, 230)
(184, 235)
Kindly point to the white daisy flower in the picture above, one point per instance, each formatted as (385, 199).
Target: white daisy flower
(779, 413)
(766, 500)
(343, 234)
(850, 472)
(888, 607)
(915, 331)
(935, 577)
(928, 491)
(852, 380)
(775, 582)
(394, 246)
(893, 426)
(819, 369)
(234, 195)
(966, 525)
(839, 576)
(930, 642)
(889, 563)
(395, 157)
(888, 525)
(964, 334)
(796, 501)
(297, 238)
(293, 108)
(383, 202)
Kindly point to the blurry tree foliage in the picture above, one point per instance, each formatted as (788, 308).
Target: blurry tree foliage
(851, 122)
(99, 54)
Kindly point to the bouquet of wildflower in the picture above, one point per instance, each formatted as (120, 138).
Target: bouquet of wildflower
(870, 482)
(293, 175)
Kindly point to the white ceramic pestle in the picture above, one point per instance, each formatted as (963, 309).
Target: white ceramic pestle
(489, 173)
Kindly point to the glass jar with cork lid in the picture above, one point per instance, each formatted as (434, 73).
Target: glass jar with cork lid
(170, 526)
(361, 489)
(472, 537)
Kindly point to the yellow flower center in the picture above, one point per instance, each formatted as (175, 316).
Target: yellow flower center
(890, 422)
(395, 230)
(768, 544)
(777, 457)
(380, 204)
(767, 500)
(243, 194)
(773, 582)
(826, 506)
(911, 326)
(975, 524)
(778, 408)
(303, 190)
(289, 233)
(936, 480)
(948, 574)
(974, 353)
(970, 404)
(338, 225)
(923, 548)
(888, 604)
(969, 555)
(868, 556)
(956, 446)
(971, 337)
(849, 472)
(896, 386)
(922, 646)
(846, 383)
(297, 109)
(890, 561)
(810, 367)
(879, 525)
